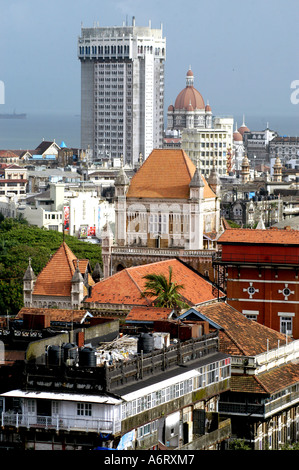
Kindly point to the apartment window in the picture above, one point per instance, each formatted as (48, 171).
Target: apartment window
(270, 440)
(84, 409)
(153, 223)
(55, 408)
(211, 373)
(145, 430)
(31, 406)
(251, 314)
(286, 325)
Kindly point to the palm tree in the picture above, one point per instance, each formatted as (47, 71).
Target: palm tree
(165, 291)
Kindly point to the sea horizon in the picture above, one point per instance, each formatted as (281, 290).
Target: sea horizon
(28, 133)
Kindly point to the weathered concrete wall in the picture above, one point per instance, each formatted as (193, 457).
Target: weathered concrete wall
(36, 350)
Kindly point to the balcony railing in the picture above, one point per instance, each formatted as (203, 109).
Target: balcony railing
(280, 403)
(209, 439)
(173, 252)
(244, 409)
(60, 423)
(264, 410)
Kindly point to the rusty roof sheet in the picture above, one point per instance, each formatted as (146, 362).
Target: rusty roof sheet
(55, 314)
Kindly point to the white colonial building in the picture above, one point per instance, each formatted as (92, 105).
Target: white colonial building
(167, 204)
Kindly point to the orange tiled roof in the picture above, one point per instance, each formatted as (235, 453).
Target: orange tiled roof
(280, 377)
(246, 383)
(270, 236)
(83, 265)
(55, 278)
(126, 286)
(55, 314)
(166, 174)
(8, 154)
(241, 336)
(268, 382)
(149, 314)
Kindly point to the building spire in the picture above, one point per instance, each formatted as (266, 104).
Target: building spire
(196, 181)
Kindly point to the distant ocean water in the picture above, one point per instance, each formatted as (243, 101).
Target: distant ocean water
(27, 133)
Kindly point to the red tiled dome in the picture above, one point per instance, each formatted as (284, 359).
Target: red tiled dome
(189, 94)
(171, 107)
(243, 129)
(237, 136)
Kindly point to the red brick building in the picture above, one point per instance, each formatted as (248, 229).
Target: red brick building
(261, 275)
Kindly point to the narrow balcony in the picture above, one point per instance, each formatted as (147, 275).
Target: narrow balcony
(59, 423)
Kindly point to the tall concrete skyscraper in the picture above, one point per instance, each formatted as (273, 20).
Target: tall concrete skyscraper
(122, 90)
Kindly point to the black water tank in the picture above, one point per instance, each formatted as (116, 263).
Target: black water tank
(87, 357)
(146, 343)
(70, 351)
(55, 355)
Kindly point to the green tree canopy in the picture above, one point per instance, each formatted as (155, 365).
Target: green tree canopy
(18, 242)
(164, 291)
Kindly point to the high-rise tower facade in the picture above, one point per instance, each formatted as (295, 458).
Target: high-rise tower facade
(122, 90)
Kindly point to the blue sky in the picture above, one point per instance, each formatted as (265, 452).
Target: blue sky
(244, 55)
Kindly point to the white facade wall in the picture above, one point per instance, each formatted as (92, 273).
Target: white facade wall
(85, 412)
(189, 221)
(87, 94)
(83, 211)
(205, 145)
(88, 210)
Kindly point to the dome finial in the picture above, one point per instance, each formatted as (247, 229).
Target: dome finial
(189, 77)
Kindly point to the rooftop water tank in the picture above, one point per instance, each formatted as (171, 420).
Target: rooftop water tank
(146, 343)
(55, 355)
(87, 357)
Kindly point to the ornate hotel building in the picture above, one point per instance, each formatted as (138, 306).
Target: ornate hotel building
(122, 90)
(207, 140)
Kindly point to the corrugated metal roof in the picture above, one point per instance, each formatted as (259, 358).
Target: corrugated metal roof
(63, 397)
